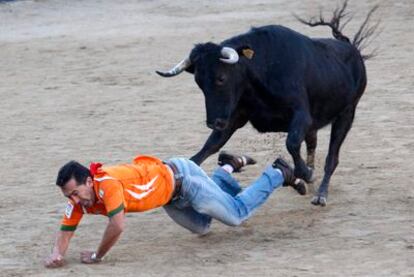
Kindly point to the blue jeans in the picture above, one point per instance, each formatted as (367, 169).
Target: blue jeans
(220, 197)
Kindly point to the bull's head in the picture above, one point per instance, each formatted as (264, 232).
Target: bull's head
(219, 72)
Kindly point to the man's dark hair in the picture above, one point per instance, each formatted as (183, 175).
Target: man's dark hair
(72, 169)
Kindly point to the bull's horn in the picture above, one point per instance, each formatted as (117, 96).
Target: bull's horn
(229, 55)
(180, 67)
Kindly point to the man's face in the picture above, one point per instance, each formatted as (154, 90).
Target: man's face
(82, 194)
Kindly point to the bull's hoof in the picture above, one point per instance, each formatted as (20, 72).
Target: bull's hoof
(319, 200)
(309, 178)
(300, 187)
(304, 173)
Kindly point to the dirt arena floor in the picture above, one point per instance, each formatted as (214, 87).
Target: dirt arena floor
(78, 82)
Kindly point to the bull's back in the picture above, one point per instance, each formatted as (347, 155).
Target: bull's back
(331, 71)
(335, 79)
(337, 61)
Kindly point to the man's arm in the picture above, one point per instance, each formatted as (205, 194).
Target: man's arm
(59, 249)
(111, 235)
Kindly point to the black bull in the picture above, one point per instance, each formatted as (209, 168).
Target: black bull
(280, 81)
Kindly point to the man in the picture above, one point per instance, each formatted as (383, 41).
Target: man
(185, 191)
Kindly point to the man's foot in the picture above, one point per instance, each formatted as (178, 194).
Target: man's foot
(289, 177)
(236, 161)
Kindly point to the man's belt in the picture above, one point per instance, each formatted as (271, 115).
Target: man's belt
(178, 179)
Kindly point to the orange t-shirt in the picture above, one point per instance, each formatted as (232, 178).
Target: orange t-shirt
(145, 184)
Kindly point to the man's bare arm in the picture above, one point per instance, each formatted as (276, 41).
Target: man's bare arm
(59, 249)
(111, 235)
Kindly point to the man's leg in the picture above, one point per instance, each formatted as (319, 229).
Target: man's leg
(226, 182)
(232, 210)
(206, 197)
(188, 218)
(230, 163)
(199, 223)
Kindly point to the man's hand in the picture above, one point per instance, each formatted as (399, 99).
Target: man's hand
(54, 261)
(61, 245)
(87, 258)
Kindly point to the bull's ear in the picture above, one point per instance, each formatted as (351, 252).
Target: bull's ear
(190, 69)
(245, 51)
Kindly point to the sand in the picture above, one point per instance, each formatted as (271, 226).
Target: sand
(78, 82)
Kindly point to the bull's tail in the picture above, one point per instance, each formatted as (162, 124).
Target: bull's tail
(362, 38)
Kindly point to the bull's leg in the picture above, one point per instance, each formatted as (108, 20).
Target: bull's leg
(217, 139)
(340, 129)
(213, 144)
(311, 142)
(297, 131)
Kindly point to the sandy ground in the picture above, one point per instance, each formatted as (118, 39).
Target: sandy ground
(78, 82)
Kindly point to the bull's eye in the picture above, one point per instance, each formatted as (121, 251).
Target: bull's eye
(220, 80)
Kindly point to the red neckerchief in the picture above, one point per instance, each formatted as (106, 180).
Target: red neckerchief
(93, 168)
